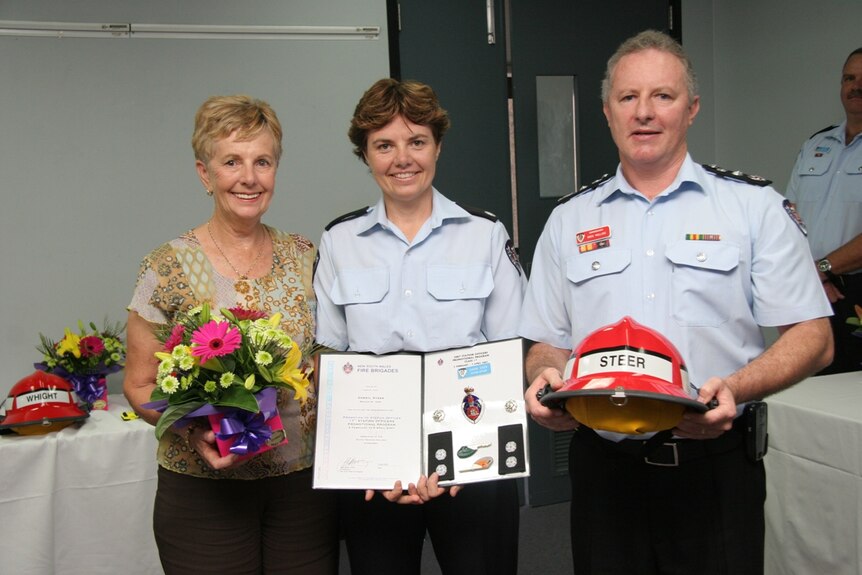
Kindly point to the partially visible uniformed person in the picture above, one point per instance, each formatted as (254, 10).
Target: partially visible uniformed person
(703, 256)
(418, 272)
(826, 187)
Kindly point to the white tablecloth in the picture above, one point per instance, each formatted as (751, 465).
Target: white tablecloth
(80, 500)
(814, 478)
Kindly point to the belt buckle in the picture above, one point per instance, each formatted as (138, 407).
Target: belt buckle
(675, 463)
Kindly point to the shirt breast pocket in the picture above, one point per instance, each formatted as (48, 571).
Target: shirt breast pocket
(702, 281)
(814, 166)
(362, 294)
(595, 280)
(459, 293)
(360, 286)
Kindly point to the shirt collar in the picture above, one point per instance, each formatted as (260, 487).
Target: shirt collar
(687, 178)
(442, 209)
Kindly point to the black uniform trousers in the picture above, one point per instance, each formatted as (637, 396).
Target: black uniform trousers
(473, 533)
(703, 516)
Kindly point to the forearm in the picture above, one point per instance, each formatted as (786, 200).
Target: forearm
(847, 258)
(800, 351)
(141, 366)
(542, 356)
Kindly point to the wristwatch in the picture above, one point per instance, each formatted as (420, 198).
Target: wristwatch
(825, 267)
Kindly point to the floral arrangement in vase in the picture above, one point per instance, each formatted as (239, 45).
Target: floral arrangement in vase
(85, 359)
(226, 366)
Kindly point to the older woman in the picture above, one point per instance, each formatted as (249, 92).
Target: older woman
(418, 272)
(217, 514)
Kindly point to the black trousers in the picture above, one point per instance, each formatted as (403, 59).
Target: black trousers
(272, 525)
(473, 533)
(848, 347)
(704, 516)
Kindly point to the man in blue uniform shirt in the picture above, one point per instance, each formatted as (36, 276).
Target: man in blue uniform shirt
(703, 256)
(826, 187)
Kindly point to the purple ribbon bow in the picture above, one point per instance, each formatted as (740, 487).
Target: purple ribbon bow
(249, 431)
(88, 386)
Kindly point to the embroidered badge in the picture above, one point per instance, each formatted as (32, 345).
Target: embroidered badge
(471, 405)
(480, 464)
(467, 450)
(704, 237)
(790, 208)
(512, 252)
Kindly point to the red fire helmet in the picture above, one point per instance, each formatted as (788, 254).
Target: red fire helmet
(40, 403)
(626, 378)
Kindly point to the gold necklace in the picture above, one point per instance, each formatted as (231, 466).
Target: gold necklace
(233, 267)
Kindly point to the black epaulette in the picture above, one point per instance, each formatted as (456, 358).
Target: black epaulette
(736, 175)
(347, 217)
(591, 186)
(826, 129)
(477, 212)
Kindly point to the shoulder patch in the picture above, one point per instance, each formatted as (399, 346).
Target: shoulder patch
(736, 175)
(586, 188)
(477, 212)
(347, 217)
(826, 129)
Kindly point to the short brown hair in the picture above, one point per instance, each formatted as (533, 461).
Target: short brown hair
(220, 116)
(389, 98)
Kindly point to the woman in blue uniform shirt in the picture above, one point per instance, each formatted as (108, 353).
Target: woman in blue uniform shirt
(418, 272)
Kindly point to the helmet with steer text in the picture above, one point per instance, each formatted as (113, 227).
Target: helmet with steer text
(626, 378)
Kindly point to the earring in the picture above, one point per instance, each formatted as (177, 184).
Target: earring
(209, 192)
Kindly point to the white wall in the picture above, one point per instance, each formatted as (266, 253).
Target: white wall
(95, 155)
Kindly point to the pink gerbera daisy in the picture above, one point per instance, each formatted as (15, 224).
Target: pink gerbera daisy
(214, 339)
(91, 345)
(176, 337)
(241, 313)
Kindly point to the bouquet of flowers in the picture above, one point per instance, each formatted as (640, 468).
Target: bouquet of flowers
(227, 366)
(85, 359)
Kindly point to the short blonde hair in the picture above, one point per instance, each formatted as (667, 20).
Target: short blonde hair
(220, 116)
(650, 40)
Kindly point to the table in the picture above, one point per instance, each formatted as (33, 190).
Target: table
(814, 477)
(79, 501)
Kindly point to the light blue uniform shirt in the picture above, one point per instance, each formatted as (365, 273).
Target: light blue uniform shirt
(826, 186)
(752, 267)
(454, 285)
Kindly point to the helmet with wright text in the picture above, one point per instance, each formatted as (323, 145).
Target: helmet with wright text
(40, 403)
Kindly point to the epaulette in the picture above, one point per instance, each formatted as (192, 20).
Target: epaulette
(477, 212)
(591, 186)
(347, 217)
(736, 175)
(826, 129)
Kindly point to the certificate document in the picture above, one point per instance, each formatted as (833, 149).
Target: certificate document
(459, 412)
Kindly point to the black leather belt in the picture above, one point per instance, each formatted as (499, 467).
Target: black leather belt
(671, 452)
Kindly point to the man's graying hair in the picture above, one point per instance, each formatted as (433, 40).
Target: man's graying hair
(650, 40)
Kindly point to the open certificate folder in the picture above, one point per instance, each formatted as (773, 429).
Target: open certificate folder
(459, 412)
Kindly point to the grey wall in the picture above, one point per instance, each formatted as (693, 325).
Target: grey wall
(770, 73)
(94, 134)
(96, 164)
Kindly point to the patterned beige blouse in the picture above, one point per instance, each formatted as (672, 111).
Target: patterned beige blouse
(178, 276)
